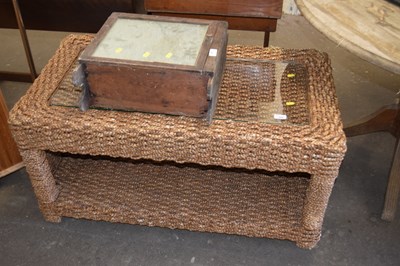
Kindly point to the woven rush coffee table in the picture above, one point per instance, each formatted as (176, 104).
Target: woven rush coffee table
(248, 173)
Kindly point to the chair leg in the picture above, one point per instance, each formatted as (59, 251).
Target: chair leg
(266, 39)
(25, 41)
(393, 187)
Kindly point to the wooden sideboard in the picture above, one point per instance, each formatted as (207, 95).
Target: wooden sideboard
(255, 15)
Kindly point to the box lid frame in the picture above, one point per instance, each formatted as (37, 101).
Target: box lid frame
(211, 36)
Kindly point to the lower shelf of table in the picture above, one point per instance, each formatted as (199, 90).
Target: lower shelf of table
(233, 201)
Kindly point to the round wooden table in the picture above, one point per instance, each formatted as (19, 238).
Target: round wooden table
(371, 30)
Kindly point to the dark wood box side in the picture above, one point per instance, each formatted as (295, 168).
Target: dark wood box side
(216, 66)
(152, 90)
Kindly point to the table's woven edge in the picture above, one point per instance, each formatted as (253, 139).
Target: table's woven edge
(324, 134)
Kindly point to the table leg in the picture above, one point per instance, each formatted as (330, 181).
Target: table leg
(385, 119)
(315, 204)
(381, 120)
(43, 182)
(393, 187)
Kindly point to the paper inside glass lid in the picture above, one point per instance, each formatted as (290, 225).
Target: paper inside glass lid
(153, 41)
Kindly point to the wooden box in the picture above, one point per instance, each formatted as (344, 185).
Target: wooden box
(155, 64)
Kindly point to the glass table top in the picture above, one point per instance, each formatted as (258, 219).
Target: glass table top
(252, 90)
(152, 41)
(264, 91)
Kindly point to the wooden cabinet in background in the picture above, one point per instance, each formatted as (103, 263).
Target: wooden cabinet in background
(254, 15)
(63, 15)
(10, 160)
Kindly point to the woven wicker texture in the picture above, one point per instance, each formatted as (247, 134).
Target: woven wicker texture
(316, 147)
(190, 197)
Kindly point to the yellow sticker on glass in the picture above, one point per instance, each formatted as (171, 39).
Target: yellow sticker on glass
(146, 54)
(118, 50)
(169, 55)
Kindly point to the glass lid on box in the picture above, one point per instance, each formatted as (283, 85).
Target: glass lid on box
(152, 41)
